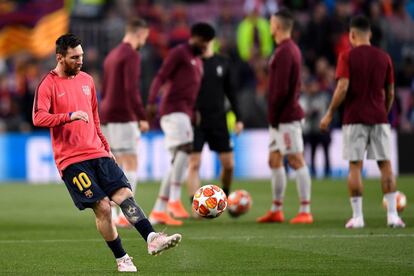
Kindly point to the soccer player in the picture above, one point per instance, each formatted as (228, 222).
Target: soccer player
(183, 70)
(285, 115)
(121, 111)
(65, 102)
(211, 125)
(366, 88)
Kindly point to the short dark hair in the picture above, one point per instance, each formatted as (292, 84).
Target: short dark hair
(66, 41)
(361, 23)
(286, 18)
(203, 30)
(136, 23)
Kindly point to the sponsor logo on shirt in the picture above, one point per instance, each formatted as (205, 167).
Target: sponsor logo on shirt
(219, 70)
(86, 90)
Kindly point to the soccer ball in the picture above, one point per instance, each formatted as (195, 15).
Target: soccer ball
(239, 202)
(209, 201)
(401, 201)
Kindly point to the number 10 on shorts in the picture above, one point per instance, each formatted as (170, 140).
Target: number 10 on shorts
(82, 181)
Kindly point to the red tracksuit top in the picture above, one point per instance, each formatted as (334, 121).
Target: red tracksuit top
(75, 141)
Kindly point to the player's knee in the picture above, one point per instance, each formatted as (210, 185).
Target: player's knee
(296, 161)
(188, 148)
(194, 165)
(228, 165)
(132, 211)
(103, 208)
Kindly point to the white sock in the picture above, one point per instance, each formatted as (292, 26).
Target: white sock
(132, 178)
(391, 199)
(179, 167)
(303, 185)
(278, 181)
(164, 194)
(356, 204)
(150, 236)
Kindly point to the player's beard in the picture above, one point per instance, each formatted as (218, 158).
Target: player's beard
(197, 51)
(72, 71)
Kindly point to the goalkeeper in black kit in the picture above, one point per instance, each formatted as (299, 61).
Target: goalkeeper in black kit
(210, 122)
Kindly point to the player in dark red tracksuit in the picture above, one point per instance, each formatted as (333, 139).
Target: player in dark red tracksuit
(183, 70)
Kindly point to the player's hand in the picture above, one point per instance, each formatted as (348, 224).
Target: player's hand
(79, 115)
(151, 111)
(238, 128)
(143, 126)
(326, 121)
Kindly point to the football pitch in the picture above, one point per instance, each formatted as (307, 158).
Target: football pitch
(42, 233)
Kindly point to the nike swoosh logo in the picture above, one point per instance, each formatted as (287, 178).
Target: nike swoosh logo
(61, 94)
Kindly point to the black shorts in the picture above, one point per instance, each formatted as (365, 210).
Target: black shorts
(217, 137)
(91, 180)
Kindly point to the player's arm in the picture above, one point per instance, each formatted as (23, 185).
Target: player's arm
(342, 75)
(96, 120)
(164, 73)
(389, 86)
(338, 98)
(41, 110)
(389, 97)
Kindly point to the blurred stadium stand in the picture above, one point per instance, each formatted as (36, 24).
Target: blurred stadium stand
(321, 32)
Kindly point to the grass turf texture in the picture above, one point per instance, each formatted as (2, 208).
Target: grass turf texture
(42, 233)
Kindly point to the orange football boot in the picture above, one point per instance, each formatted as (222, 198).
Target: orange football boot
(163, 218)
(302, 218)
(276, 216)
(176, 210)
(122, 222)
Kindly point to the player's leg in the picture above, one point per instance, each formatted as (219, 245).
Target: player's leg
(106, 227)
(278, 184)
(194, 162)
(157, 242)
(278, 180)
(303, 185)
(179, 167)
(179, 140)
(193, 179)
(292, 146)
(355, 140)
(81, 180)
(379, 149)
(218, 139)
(227, 169)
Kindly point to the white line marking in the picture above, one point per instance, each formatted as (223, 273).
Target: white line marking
(327, 236)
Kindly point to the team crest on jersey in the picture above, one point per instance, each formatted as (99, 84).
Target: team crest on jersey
(86, 90)
(219, 70)
(88, 193)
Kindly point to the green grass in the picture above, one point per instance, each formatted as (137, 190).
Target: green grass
(42, 233)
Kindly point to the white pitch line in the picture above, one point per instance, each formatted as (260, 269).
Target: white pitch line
(326, 236)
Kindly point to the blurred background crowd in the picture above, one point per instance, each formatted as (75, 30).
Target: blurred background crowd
(243, 35)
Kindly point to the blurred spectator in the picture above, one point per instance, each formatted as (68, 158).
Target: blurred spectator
(315, 103)
(315, 38)
(253, 37)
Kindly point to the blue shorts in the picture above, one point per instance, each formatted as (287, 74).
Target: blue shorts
(91, 180)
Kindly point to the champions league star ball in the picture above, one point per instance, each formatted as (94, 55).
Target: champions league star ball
(209, 201)
(239, 202)
(401, 201)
